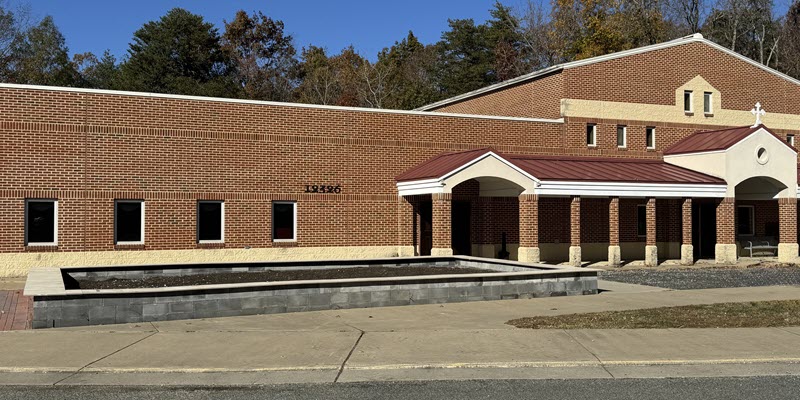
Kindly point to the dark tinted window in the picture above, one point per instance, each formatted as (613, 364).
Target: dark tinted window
(41, 221)
(129, 221)
(209, 220)
(641, 221)
(283, 221)
(744, 220)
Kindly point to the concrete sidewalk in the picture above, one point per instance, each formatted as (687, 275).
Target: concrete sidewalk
(450, 341)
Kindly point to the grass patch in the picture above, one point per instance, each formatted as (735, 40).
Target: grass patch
(758, 314)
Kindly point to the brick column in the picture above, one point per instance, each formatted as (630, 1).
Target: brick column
(614, 253)
(787, 245)
(529, 228)
(575, 232)
(725, 250)
(406, 219)
(650, 248)
(442, 227)
(687, 250)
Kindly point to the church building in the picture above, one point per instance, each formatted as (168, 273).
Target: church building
(682, 150)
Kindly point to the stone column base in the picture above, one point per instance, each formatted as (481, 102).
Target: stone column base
(575, 256)
(725, 253)
(406, 251)
(529, 255)
(614, 256)
(651, 256)
(788, 252)
(687, 254)
(441, 252)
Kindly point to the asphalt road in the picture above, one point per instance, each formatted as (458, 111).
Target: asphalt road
(774, 387)
(708, 278)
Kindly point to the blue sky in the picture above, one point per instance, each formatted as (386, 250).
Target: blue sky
(369, 25)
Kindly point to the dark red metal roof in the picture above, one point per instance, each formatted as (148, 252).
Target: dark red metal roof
(441, 165)
(716, 140)
(568, 168)
(558, 168)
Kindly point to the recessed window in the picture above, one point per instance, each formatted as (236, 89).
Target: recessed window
(591, 135)
(745, 220)
(687, 101)
(650, 137)
(284, 221)
(641, 220)
(790, 140)
(129, 222)
(762, 155)
(210, 221)
(707, 106)
(622, 136)
(41, 223)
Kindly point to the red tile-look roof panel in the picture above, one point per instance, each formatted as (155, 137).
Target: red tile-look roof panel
(440, 165)
(557, 168)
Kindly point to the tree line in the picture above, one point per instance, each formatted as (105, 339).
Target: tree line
(253, 57)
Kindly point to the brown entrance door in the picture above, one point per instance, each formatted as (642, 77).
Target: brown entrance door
(426, 228)
(460, 221)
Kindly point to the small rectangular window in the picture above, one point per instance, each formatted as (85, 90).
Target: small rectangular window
(41, 223)
(622, 136)
(284, 221)
(129, 222)
(707, 107)
(790, 140)
(745, 220)
(650, 137)
(641, 220)
(210, 221)
(591, 135)
(687, 101)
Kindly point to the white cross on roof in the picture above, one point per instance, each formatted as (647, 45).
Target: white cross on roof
(758, 112)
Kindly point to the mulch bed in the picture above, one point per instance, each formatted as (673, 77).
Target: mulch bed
(758, 314)
(272, 276)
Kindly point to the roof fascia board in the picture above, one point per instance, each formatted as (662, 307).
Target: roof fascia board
(272, 103)
(623, 189)
(761, 129)
(689, 153)
(696, 38)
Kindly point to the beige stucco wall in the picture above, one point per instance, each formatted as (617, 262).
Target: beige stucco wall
(675, 113)
(18, 264)
(740, 162)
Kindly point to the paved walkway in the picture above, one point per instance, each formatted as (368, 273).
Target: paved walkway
(15, 310)
(449, 341)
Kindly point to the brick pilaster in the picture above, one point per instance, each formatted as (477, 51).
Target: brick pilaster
(406, 230)
(528, 220)
(442, 227)
(686, 221)
(613, 222)
(787, 215)
(726, 221)
(575, 221)
(650, 239)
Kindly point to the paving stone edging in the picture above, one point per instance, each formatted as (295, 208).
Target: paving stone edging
(503, 280)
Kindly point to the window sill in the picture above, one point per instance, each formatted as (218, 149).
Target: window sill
(129, 246)
(688, 113)
(591, 146)
(708, 115)
(41, 247)
(211, 245)
(284, 243)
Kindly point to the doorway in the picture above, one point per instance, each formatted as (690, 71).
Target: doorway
(460, 221)
(704, 229)
(425, 228)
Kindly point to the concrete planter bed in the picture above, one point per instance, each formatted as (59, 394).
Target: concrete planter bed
(58, 300)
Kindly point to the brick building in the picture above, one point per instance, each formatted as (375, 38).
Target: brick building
(642, 154)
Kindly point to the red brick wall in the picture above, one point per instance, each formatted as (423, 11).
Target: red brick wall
(726, 221)
(528, 220)
(788, 220)
(540, 98)
(442, 206)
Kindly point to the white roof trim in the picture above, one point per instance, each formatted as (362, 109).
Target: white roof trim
(627, 189)
(494, 155)
(696, 38)
(270, 103)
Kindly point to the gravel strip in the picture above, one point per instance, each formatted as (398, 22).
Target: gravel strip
(687, 279)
